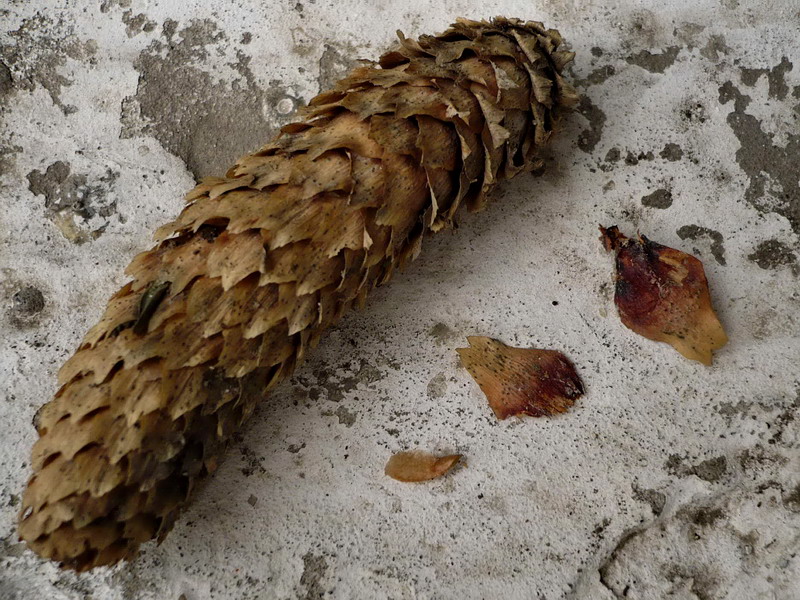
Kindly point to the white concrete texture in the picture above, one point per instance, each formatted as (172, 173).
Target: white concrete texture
(666, 480)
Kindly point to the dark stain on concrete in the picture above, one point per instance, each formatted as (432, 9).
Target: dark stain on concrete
(207, 123)
(776, 78)
(68, 195)
(107, 5)
(590, 137)
(759, 457)
(715, 48)
(695, 232)
(654, 498)
(64, 190)
(7, 153)
(791, 499)
(772, 169)
(642, 30)
(315, 568)
(36, 53)
(688, 33)
(253, 463)
(661, 198)
(7, 148)
(632, 159)
(28, 301)
(730, 410)
(655, 63)
(613, 155)
(26, 307)
(706, 516)
(437, 387)
(693, 112)
(337, 386)
(711, 470)
(136, 24)
(674, 465)
(597, 77)
(6, 81)
(773, 254)
(671, 152)
(295, 448)
(443, 334)
(786, 418)
(345, 417)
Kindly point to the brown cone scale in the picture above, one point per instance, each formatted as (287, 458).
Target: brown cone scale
(262, 261)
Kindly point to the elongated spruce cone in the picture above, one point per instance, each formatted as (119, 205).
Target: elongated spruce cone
(261, 262)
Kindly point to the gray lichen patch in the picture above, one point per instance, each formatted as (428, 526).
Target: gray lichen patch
(206, 122)
(660, 198)
(672, 152)
(136, 24)
(28, 301)
(688, 34)
(715, 48)
(655, 63)
(7, 156)
(613, 155)
(336, 386)
(774, 186)
(632, 159)
(711, 470)
(654, 498)
(107, 5)
(38, 50)
(791, 499)
(716, 239)
(79, 209)
(25, 306)
(345, 416)
(642, 29)
(23, 303)
(693, 112)
(443, 334)
(437, 387)
(6, 81)
(315, 568)
(774, 254)
(776, 78)
(597, 77)
(590, 137)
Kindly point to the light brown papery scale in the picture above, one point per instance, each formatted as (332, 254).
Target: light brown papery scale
(261, 262)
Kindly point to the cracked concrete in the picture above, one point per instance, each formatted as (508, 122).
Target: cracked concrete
(667, 479)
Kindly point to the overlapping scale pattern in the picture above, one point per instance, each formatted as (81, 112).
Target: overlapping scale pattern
(261, 261)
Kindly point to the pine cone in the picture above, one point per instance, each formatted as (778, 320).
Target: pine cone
(262, 261)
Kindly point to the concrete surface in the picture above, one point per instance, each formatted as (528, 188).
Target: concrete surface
(667, 480)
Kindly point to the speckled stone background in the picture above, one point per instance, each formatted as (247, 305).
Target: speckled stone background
(667, 480)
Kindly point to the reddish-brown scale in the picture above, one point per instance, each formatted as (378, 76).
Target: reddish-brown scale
(662, 294)
(521, 381)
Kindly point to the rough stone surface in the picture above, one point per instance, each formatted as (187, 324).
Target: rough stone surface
(667, 479)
